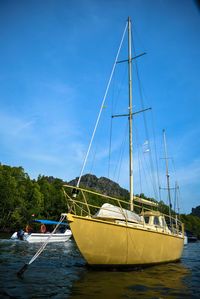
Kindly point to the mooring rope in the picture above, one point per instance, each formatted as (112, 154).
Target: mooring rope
(47, 241)
(40, 250)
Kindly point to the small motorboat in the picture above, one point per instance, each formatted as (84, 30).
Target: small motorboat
(185, 239)
(62, 235)
(191, 237)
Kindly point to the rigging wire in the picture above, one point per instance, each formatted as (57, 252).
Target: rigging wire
(156, 155)
(104, 98)
(122, 151)
(153, 127)
(110, 145)
(110, 139)
(120, 87)
(178, 200)
(139, 154)
(93, 159)
(145, 175)
(151, 177)
(142, 161)
(113, 109)
(145, 125)
(175, 195)
(139, 160)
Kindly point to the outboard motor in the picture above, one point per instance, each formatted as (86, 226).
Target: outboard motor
(20, 234)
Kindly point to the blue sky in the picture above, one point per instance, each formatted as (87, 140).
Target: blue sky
(55, 61)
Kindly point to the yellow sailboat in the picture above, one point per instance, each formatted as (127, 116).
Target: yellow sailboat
(113, 232)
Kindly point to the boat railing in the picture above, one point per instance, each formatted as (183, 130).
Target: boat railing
(86, 203)
(82, 207)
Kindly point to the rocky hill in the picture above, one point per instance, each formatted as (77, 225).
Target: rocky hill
(102, 184)
(196, 211)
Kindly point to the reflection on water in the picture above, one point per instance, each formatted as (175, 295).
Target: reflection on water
(153, 282)
(61, 272)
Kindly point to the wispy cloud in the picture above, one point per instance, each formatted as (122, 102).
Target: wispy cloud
(77, 151)
(60, 88)
(14, 127)
(42, 157)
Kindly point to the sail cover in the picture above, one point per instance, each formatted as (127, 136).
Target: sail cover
(49, 222)
(109, 211)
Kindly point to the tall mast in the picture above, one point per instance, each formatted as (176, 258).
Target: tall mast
(167, 174)
(130, 118)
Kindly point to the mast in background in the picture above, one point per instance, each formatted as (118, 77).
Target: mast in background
(167, 174)
(177, 194)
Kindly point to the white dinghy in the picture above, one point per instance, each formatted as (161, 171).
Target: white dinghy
(62, 235)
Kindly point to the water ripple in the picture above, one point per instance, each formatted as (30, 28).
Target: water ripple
(61, 272)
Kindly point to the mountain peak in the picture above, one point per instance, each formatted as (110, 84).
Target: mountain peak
(102, 184)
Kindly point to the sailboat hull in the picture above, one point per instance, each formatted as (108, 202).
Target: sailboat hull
(104, 243)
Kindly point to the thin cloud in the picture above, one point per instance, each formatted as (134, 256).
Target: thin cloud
(43, 157)
(13, 126)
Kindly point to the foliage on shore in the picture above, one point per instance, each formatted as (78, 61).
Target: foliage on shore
(23, 199)
(192, 224)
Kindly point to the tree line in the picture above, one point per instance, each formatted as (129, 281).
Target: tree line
(23, 199)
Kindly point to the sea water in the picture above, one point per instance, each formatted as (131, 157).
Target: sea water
(61, 272)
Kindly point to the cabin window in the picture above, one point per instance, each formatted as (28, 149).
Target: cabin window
(162, 222)
(156, 221)
(146, 219)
